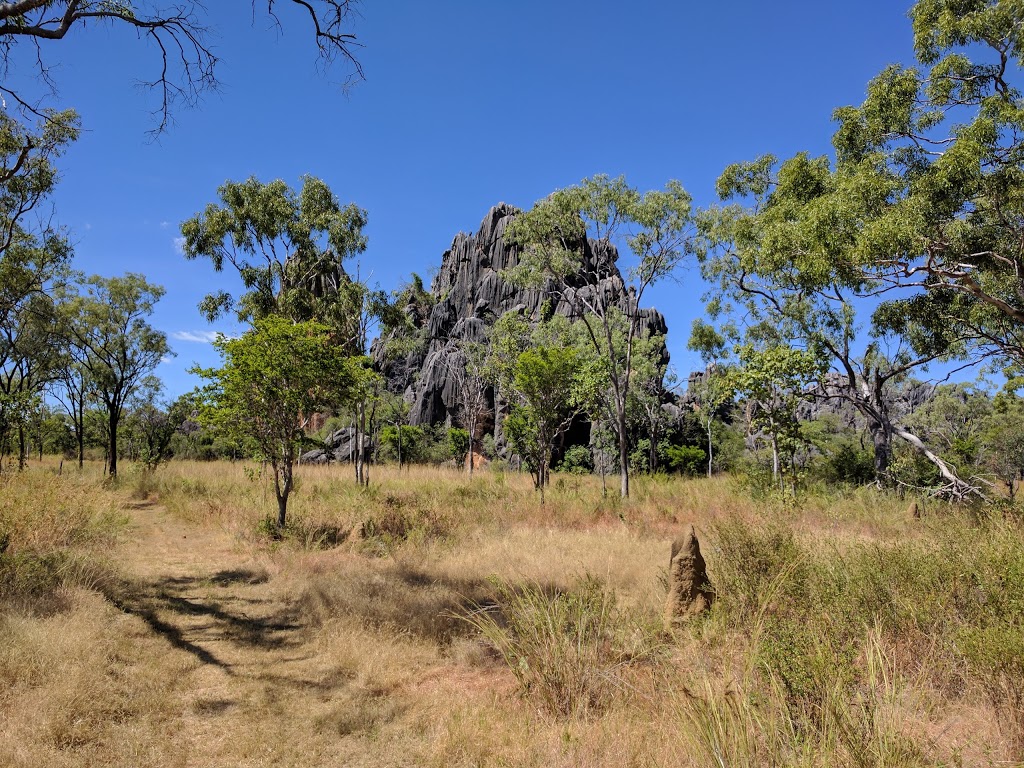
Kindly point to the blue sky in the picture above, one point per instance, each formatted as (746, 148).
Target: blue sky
(465, 104)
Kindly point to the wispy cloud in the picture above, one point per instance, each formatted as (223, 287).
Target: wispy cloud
(179, 245)
(199, 337)
(164, 224)
(166, 359)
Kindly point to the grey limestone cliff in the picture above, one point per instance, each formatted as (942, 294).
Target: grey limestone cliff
(470, 292)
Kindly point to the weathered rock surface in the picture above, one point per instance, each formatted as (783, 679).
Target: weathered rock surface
(340, 445)
(470, 294)
(689, 591)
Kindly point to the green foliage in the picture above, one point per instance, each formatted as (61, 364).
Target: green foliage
(551, 388)
(553, 236)
(577, 461)
(458, 444)
(273, 379)
(287, 247)
(105, 328)
(1003, 441)
(685, 459)
(413, 441)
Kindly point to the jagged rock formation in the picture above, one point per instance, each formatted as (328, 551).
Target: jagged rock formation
(828, 399)
(340, 445)
(469, 294)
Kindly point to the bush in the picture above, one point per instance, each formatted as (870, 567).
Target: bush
(686, 459)
(577, 461)
(848, 464)
(566, 649)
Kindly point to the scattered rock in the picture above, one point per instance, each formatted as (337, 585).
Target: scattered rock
(689, 591)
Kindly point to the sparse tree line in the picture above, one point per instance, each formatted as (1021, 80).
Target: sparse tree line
(917, 216)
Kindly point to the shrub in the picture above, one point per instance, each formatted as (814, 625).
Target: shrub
(577, 461)
(566, 649)
(686, 459)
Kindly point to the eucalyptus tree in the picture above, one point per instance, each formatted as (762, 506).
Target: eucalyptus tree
(30, 247)
(288, 249)
(927, 196)
(104, 323)
(556, 256)
(647, 395)
(73, 390)
(780, 256)
(1002, 441)
(709, 395)
(549, 384)
(273, 379)
(29, 360)
(469, 371)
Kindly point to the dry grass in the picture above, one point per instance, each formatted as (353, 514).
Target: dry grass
(217, 646)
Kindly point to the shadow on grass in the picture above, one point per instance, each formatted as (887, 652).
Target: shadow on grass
(182, 610)
(405, 599)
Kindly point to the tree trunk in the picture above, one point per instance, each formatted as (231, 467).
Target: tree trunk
(22, 449)
(623, 454)
(709, 449)
(652, 453)
(112, 448)
(360, 412)
(881, 440)
(775, 455)
(282, 488)
(80, 436)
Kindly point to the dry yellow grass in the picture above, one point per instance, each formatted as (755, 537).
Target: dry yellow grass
(214, 646)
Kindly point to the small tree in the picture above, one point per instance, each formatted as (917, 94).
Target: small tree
(155, 423)
(710, 393)
(557, 256)
(274, 378)
(1003, 441)
(774, 379)
(548, 384)
(470, 372)
(107, 335)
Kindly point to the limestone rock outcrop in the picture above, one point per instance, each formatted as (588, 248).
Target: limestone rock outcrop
(469, 294)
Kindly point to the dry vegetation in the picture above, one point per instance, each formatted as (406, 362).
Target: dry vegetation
(465, 624)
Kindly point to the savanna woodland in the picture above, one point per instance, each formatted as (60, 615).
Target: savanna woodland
(481, 519)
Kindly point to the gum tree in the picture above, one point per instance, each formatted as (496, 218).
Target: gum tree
(103, 322)
(273, 379)
(288, 249)
(555, 256)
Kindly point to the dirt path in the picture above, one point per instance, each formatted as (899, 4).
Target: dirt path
(255, 684)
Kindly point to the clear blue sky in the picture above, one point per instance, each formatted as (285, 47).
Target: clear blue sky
(465, 104)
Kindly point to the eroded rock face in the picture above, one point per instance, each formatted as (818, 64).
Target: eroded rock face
(340, 445)
(470, 295)
(689, 591)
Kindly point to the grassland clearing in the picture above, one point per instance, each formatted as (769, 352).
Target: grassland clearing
(846, 632)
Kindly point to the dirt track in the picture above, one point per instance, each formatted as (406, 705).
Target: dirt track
(256, 689)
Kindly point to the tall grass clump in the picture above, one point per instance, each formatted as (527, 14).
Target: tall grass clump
(568, 649)
(50, 530)
(946, 604)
